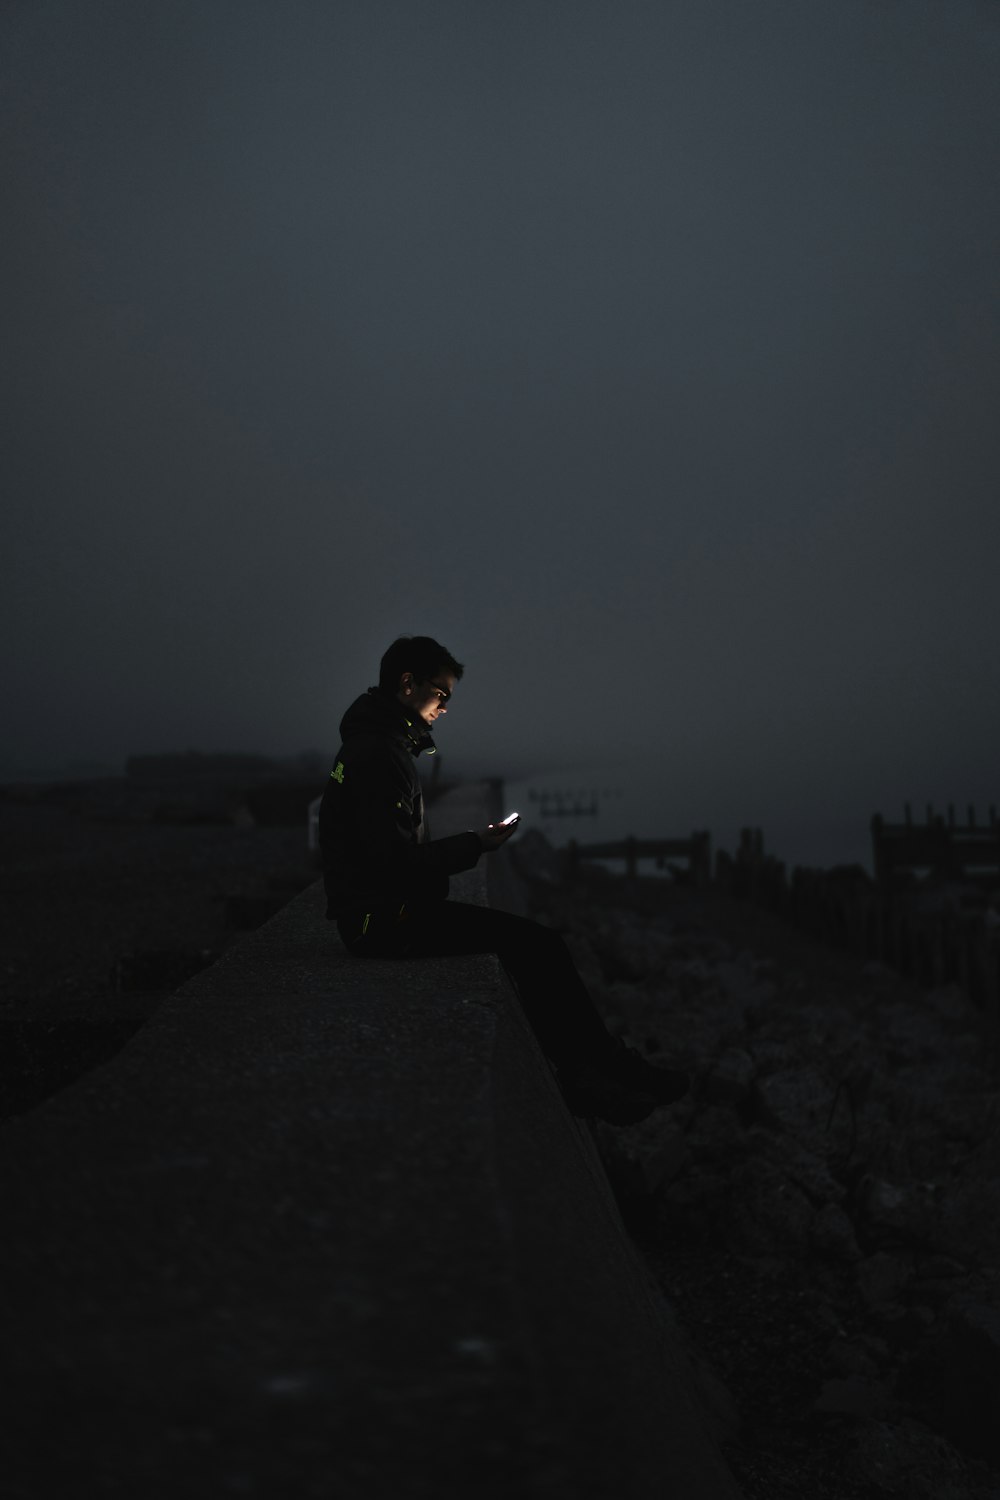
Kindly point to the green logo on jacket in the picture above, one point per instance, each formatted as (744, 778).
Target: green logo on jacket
(337, 773)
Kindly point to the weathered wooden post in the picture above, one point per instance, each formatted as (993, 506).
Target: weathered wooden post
(963, 958)
(701, 858)
(877, 857)
(991, 974)
(978, 967)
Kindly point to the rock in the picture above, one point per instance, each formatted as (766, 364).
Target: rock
(741, 982)
(807, 1170)
(771, 1056)
(833, 1234)
(887, 1204)
(939, 1266)
(703, 1024)
(952, 1007)
(729, 1078)
(695, 976)
(953, 1380)
(627, 948)
(898, 1212)
(905, 1328)
(767, 1212)
(854, 1396)
(798, 1101)
(698, 1202)
(664, 1162)
(936, 1278)
(904, 1460)
(947, 1098)
(715, 1399)
(624, 996)
(638, 1170)
(876, 1346)
(882, 1278)
(848, 1358)
(718, 1136)
(734, 976)
(967, 1214)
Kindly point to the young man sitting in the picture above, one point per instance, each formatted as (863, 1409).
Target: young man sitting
(387, 886)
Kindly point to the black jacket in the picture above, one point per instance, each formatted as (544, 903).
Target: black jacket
(372, 834)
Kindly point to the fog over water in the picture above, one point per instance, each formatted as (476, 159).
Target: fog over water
(646, 354)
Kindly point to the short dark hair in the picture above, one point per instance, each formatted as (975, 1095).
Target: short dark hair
(418, 654)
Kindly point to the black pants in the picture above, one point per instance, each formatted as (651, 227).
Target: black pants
(537, 960)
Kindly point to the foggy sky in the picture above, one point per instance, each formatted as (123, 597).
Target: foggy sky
(644, 353)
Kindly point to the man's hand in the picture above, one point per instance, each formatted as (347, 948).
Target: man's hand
(496, 835)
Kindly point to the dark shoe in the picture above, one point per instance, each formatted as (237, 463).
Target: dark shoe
(666, 1085)
(592, 1095)
(593, 1090)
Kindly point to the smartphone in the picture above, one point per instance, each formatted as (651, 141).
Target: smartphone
(510, 818)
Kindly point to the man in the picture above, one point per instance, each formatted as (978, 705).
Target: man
(387, 885)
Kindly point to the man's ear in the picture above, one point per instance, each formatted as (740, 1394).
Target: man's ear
(406, 682)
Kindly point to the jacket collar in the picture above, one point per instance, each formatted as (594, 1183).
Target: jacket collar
(378, 709)
(418, 736)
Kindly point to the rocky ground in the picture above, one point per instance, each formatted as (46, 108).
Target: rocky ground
(823, 1212)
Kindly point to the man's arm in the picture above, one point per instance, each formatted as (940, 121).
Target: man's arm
(379, 816)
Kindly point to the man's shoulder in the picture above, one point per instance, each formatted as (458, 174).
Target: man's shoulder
(371, 745)
(373, 754)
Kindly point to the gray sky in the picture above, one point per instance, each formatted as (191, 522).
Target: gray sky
(645, 353)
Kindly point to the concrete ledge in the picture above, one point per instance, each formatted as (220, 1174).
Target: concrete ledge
(325, 1228)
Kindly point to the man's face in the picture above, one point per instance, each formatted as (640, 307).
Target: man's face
(427, 698)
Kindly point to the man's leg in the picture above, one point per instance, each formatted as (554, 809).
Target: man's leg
(551, 992)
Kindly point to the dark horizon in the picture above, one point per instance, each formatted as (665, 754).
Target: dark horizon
(563, 808)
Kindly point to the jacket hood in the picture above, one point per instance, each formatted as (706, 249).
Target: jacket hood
(376, 712)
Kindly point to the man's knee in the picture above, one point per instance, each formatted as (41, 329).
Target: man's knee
(540, 944)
